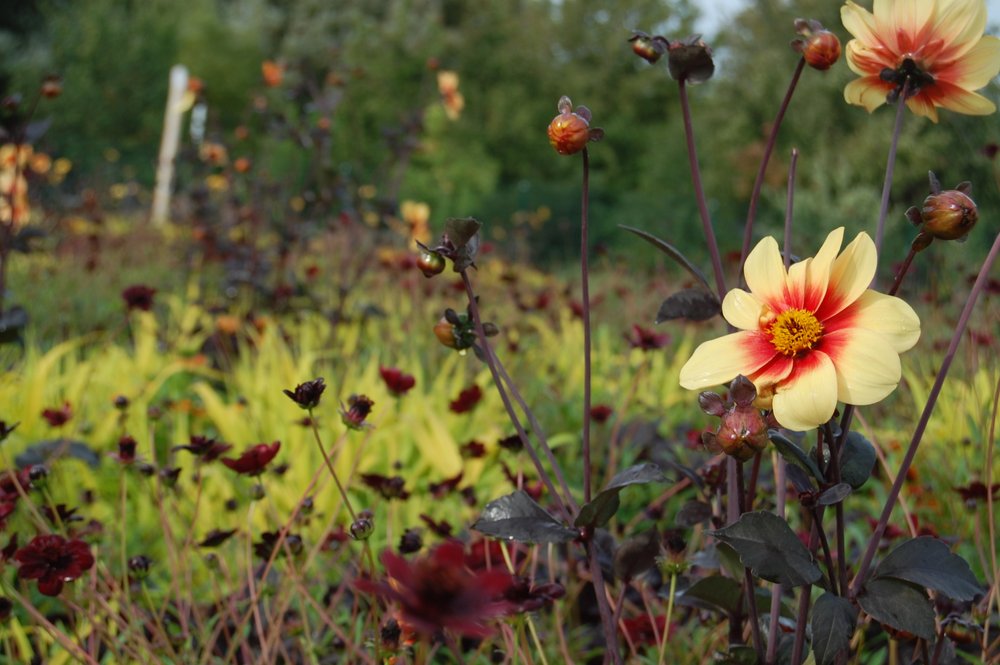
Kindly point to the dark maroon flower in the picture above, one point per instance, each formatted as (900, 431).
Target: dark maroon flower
(396, 380)
(640, 629)
(437, 592)
(138, 296)
(216, 537)
(512, 443)
(6, 429)
(440, 528)
(977, 491)
(205, 448)
(446, 486)
(126, 450)
(60, 515)
(254, 459)
(307, 394)
(600, 413)
(59, 416)
(472, 450)
(269, 540)
(466, 400)
(388, 487)
(527, 597)
(53, 560)
(646, 339)
(410, 541)
(334, 539)
(358, 409)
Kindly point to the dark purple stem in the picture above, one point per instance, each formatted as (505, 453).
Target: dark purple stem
(789, 207)
(762, 169)
(699, 191)
(902, 271)
(800, 623)
(890, 166)
(918, 433)
(585, 288)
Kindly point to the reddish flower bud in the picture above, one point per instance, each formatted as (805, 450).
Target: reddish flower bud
(648, 48)
(430, 263)
(51, 86)
(443, 330)
(570, 132)
(819, 47)
(949, 215)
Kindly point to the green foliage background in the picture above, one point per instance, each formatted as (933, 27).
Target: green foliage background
(515, 58)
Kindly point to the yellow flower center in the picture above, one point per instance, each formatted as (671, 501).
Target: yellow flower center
(795, 331)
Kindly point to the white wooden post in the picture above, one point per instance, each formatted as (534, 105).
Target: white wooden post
(168, 145)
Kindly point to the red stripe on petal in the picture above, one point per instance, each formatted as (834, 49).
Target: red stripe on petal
(759, 349)
(777, 370)
(834, 343)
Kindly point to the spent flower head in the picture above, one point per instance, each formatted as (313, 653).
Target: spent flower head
(357, 411)
(742, 431)
(307, 394)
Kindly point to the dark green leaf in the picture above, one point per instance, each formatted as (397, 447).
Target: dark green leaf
(769, 547)
(670, 251)
(928, 562)
(899, 605)
(637, 554)
(834, 495)
(603, 507)
(833, 620)
(516, 516)
(794, 454)
(857, 460)
(43, 452)
(716, 592)
(690, 304)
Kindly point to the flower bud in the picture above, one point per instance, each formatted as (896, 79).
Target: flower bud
(444, 331)
(363, 527)
(51, 86)
(139, 566)
(257, 492)
(690, 60)
(570, 132)
(648, 48)
(430, 263)
(949, 215)
(819, 47)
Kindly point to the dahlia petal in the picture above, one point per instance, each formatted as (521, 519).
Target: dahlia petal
(868, 91)
(891, 317)
(850, 275)
(859, 22)
(867, 61)
(903, 25)
(921, 104)
(960, 100)
(720, 360)
(959, 25)
(808, 397)
(742, 309)
(765, 272)
(777, 370)
(807, 279)
(978, 66)
(868, 368)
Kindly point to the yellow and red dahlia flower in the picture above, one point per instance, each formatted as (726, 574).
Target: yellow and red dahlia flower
(936, 45)
(809, 336)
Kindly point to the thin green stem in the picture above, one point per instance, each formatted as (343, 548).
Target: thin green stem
(665, 637)
(918, 433)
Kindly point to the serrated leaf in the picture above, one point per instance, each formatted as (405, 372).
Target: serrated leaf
(603, 507)
(900, 605)
(690, 304)
(834, 495)
(857, 460)
(670, 251)
(517, 516)
(928, 562)
(722, 594)
(637, 554)
(833, 621)
(794, 454)
(769, 547)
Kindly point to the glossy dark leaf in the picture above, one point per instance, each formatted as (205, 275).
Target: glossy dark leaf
(794, 454)
(637, 554)
(857, 460)
(722, 594)
(603, 507)
(463, 232)
(517, 516)
(690, 304)
(43, 452)
(834, 495)
(928, 562)
(800, 478)
(672, 252)
(833, 620)
(900, 605)
(769, 547)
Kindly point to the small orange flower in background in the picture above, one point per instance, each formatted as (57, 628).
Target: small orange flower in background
(272, 72)
(14, 207)
(417, 217)
(809, 336)
(937, 45)
(451, 98)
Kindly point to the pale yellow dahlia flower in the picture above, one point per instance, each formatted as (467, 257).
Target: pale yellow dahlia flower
(809, 336)
(938, 45)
